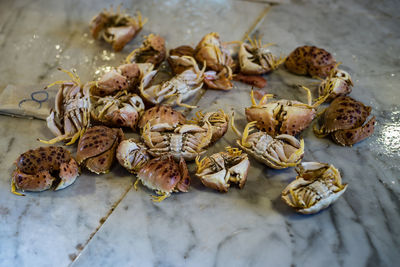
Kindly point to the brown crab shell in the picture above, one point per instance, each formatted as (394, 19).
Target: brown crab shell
(296, 119)
(253, 80)
(152, 50)
(165, 175)
(36, 168)
(353, 136)
(98, 23)
(131, 72)
(122, 35)
(310, 60)
(109, 83)
(96, 148)
(265, 118)
(162, 114)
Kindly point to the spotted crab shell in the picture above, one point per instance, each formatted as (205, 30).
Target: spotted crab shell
(163, 174)
(163, 116)
(310, 60)
(295, 118)
(265, 117)
(96, 148)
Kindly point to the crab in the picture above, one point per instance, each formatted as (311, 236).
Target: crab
(338, 83)
(44, 168)
(282, 116)
(165, 176)
(161, 117)
(221, 80)
(176, 90)
(218, 121)
(219, 170)
(310, 60)
(120, 110)
(211, 51)
(123, 78)
(253, 80)
(71, 114)
(345, 121)
(132, 155)
(280, 152)
(186, 141)
(116, 28)
(178, 58)
(256, 59)
(317, 186)
(152, 51)
(96, 148)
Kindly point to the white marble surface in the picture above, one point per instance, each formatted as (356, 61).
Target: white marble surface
(102, 221)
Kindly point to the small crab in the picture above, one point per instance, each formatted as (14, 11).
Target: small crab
(211, 51)
(282, 116)
(176, 90)
(71, 114)
(310, 60)
(96, 148)
(338, 83)
(165, 176)
(44, 168)
(178, 58)
(186, 141)
(152, 51)
(345, 121)
(120, 110)
(317, 186)
(218, 120)
(280, 152)
(116, 28)
(219, 170)
(256, 59)
(221, 80)
(132, 155)
(162, 117)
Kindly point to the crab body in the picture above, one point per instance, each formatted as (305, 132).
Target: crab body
(178, 58)
(96, 148)
(161, 117)
(310, 60)
(218, 122)
(152, 51)
(43, 168)
(132, 155)
(165, 176)
(345, 121)
(317, 186)
(338, 83)
(219, 170)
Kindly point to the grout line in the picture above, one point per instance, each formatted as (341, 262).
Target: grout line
(102, 221)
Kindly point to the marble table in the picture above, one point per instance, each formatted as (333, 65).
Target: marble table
(103, 221)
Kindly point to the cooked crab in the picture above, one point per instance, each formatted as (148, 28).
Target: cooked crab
(152, 51)
(345, 121)
(175, 90)
(186, 141)
(219, 170)
(120, 110)
(96, 148)
(256, 59)
(123, 78)
(132, 155)
(253, 80)
(280, 152)
(317, 186)
(165, 176)
(221, 80)
(71, 114)
(116, 28)
(338, 83)
(161, 118)
(218, 120)
(310, 60)
(282, 116)
(44, 168)
(178, 58)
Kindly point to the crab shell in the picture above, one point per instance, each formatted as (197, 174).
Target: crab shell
(317, 186)
(132, 155)
(121, 110)
(344, 120)
(211, 51)
(165, 117)
(219, 122)
(177, 59)
(152, 51)
(96, 148)
(164, 175)
(253, 80)
(219, 81)
(340, 84)
(310, 60)
(280, 152)
(281, 117)
(255, 60)
(219, 170)
(43, 168)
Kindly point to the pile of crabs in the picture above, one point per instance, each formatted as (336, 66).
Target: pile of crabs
(129, 97)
